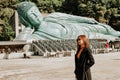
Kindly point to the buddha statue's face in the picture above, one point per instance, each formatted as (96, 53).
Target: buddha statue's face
(34, 16)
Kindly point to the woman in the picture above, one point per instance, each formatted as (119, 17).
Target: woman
(83, 59)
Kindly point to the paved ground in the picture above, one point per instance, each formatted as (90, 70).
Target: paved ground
(107, 67)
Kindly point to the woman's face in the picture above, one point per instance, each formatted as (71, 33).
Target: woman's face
(80, 41)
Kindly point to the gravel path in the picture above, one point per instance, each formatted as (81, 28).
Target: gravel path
(107, 67)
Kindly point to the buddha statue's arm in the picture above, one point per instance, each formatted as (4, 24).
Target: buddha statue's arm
(55, 17)
(25, 34)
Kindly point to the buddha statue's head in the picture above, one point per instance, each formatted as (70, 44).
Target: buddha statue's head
(29, 14)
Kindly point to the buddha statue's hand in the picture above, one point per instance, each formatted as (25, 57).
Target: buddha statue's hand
(25, 34)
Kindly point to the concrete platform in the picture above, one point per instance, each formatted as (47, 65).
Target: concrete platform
(107, 67)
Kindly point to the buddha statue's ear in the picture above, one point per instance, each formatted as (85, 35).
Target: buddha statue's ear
(24, 22)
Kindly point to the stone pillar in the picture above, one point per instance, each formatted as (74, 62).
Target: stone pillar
(16, 24)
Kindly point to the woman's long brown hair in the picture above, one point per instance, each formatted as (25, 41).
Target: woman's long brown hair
(85, 40)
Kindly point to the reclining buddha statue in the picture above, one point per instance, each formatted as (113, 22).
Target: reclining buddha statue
(58, 25)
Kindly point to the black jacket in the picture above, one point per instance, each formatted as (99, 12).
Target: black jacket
(83, 64)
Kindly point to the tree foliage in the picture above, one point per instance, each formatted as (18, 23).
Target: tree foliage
(7, 33)
(47, 6)
(6, 11)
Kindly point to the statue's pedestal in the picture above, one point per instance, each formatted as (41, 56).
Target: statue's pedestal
(15, 55)
(6, 56)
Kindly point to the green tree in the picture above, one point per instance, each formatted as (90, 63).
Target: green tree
(70, 6)
(7, 33)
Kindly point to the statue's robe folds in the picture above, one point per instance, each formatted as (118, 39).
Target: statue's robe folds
(77, 25)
